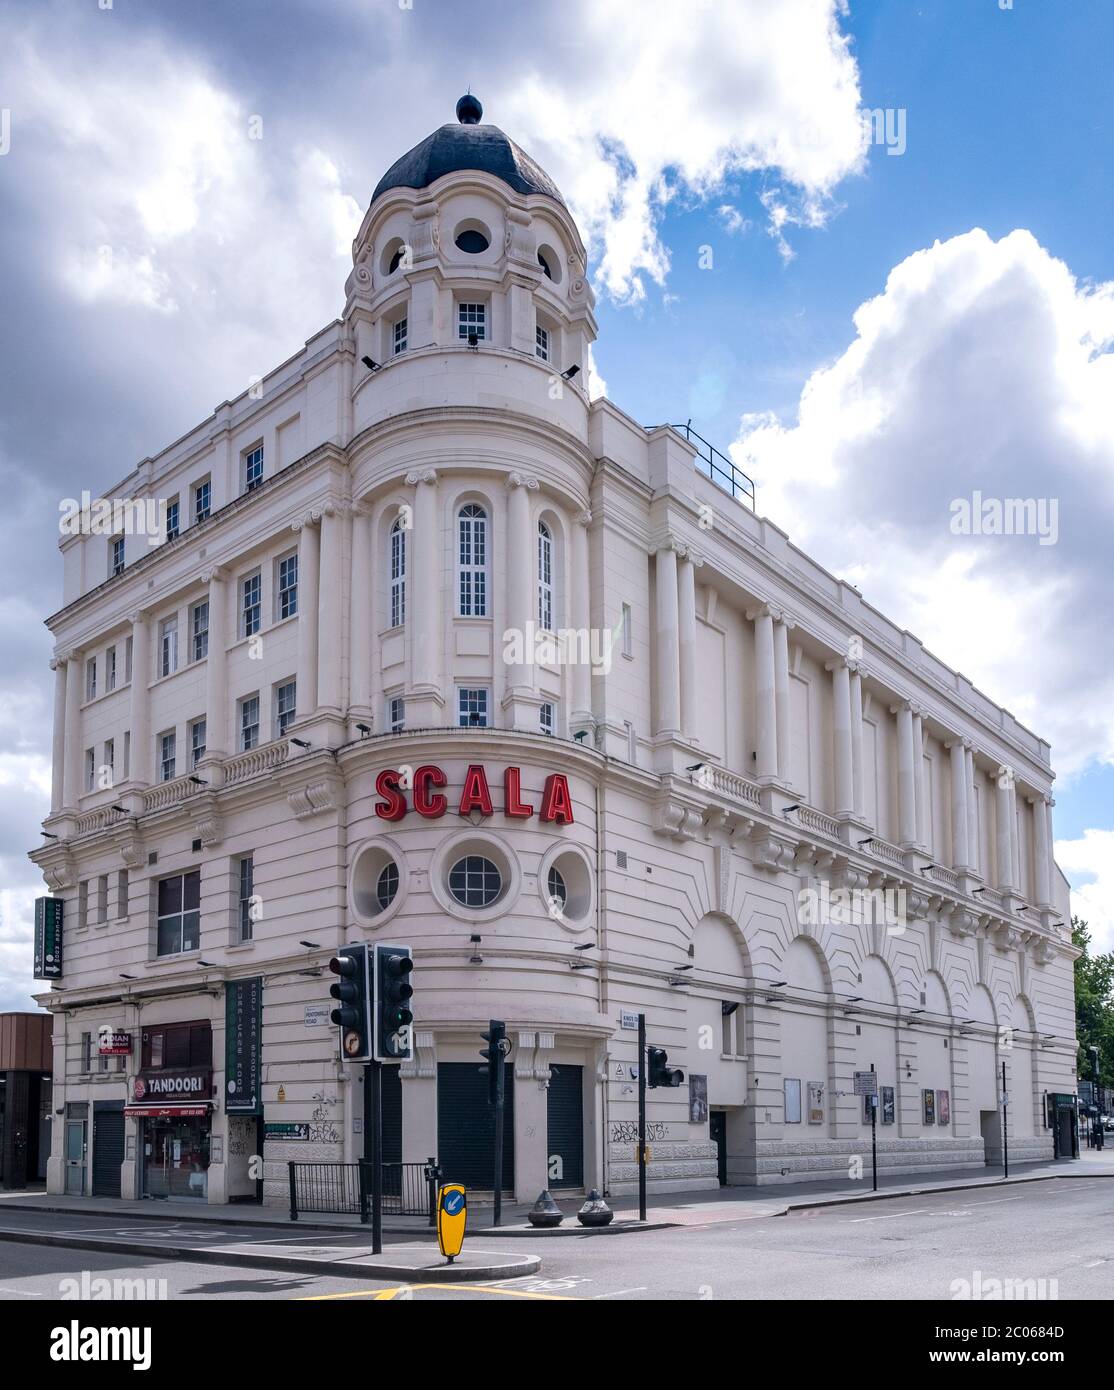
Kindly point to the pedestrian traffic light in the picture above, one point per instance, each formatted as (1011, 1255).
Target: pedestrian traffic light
(496, 1050)
(353, 991)
(658, 1070)
(393, 992)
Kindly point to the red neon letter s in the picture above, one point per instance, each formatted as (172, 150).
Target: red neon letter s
(424, 804)
(513, 805)
(556, 801)
(474, 795)
(393, 805)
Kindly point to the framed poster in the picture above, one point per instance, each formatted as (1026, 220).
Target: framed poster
(928, 1099)
(870, 1105)
(943, 1108)
(698, 1099)
(887, 1105)
(816, 1102)
(792, 1090)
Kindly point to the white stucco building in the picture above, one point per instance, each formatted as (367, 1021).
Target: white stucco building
(354, 546)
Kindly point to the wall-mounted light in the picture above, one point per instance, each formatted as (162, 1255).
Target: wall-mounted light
(364, 730)
(50, 835)
(473, 341)
(369, 364)
(300, 742)
(572, 371)
(310, 945)
(788, 810)
(868, 841)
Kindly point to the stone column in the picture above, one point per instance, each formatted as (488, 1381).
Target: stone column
(765, 689)
(216, 666)
(1005, 836)
(520, 604)
(581, 715)
(686, 612)
(360, 613)
(841, 730)
(58, 748)
(782, 628)
(1015, 845)
(1043, 850)
(906, 783)
(858, 767)
(330, 606)
(972, 811)
(71, 776)
(309, 563)
(960, 837)
(141, 750)
(425, 700)
(923, 831)
(667, 666)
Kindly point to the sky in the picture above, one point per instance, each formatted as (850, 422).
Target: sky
(875, 317)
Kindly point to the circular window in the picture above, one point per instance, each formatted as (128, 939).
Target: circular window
(550, 263)
(475, 881)
(377, 884)
(387, 885)
(394, 253)
(558, 893)
(472, 238)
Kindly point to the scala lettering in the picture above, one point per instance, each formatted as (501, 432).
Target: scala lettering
(475, 795)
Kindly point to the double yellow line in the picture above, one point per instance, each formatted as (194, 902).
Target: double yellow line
(388, 1295)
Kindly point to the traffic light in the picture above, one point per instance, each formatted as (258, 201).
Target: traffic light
(393, 992)
(658, 1070)
(493, 1054)
(353, 991)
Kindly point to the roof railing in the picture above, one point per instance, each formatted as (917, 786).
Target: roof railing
(719, 467)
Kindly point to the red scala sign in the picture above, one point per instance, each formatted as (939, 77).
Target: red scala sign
(475, 795)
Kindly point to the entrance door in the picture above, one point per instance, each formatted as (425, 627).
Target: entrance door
(76, 1149)
(717, 1132)
(177, 1158)
(565, 1115)
(466, 1126)
(108, 1147)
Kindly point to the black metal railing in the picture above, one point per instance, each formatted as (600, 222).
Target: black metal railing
(719, 467)
(344, 1189)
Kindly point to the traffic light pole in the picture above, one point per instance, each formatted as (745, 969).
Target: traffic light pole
(373, 1123)
(642, 1117)
(500, 1082)
(1005, 1126)
(874, 1136)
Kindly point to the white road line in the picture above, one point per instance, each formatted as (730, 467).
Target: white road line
(918, 1211)
(994, 1201)
(619, 1292)
(25, 1293)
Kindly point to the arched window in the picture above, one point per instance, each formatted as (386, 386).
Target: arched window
(545, 577)
(472, 560)
(398, 574)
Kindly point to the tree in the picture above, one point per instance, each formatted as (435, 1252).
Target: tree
(1094, 1004)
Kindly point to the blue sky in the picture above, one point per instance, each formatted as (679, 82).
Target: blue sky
(859, 344)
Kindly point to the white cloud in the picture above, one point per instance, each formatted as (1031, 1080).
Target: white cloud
(982, 366)
(1092, 858)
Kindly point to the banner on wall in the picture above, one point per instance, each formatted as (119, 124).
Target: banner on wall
(928, 1099)
(887, 1105)
(816, 1102)
(243, 1038)
(943, 1108)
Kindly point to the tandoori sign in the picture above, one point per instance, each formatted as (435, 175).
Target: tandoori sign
(425, 782)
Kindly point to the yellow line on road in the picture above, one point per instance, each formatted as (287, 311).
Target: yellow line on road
(389, 1295)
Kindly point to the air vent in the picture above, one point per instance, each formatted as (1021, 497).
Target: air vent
(153, 857)
(924, 998)
(195, 848)
(621, 858)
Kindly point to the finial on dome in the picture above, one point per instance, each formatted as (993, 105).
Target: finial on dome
(469, 111)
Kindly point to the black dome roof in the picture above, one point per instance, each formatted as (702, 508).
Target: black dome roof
(468, 145)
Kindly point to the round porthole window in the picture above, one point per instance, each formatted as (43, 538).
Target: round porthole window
(474, 881)
(377, 886)
(472, 238)
(558, 893)
(565, 887)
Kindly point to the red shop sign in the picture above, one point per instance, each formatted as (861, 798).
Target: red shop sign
(475, 795)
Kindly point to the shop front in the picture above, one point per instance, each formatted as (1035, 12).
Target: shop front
(173, 1108)
(175, 1152)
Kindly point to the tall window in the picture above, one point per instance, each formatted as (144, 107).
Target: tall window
(627, 648)
(168, 749)
(398, 574)
(199, 630)
(472, 555)
(83, 903)
(168, 645)
(121, 893)
(173, 520)
(128, 662)
(471, 321)
(110, 669)
(253, 468)
(398, 337)
(115, 556)
(91, 679)
(102, 898)
(288, 586)
(546, 719)
(396, 714)
(545, 577)
(179, 913)
(286, 697)
(198, 736)
(110, 759)
(202, 500)
(541, 342)
(249, 723)
(90, 769)
(247, 891)
(251, 607)
(472, 708)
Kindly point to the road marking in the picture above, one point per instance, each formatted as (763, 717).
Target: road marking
(388, 1295)
(26, 1293)
(994, 1201)
(642, 1288)
(918, 1211)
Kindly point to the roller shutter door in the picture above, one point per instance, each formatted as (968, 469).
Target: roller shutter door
(108, 1147)
(565, 1113)
(466, 1126)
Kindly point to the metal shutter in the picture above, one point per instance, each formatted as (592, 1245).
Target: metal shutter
(565, 1114)
(108, 1147)
(392, 1114)
(466, 1126)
